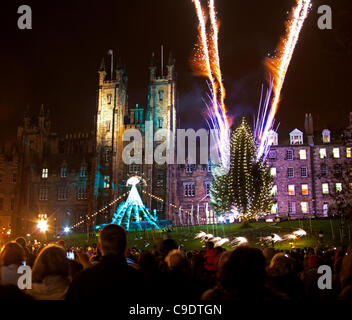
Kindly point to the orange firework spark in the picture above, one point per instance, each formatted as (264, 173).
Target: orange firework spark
(278, 66)
(208, 63)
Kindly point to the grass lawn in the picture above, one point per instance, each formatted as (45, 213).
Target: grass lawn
(185, 235)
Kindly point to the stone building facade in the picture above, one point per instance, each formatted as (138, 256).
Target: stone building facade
(310, 171)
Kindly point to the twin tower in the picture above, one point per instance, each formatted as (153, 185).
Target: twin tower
(114, 116)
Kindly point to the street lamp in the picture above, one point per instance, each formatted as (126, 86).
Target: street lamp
(42, 223)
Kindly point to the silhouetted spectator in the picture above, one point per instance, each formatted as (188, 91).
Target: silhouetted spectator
(242, 278)
(211, 257)
(282, 276)
(112, 278)
(51, 274)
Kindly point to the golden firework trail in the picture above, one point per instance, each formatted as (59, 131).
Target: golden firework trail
(279, 65)
(208, 65)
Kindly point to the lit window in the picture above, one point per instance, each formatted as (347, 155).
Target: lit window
(304, 172)
(274, 208)
(348, 152)
(273, 172)
(292, 207)
(336, 153)
(326, 136)
(45, 173)
(109, 98)
(338, 187)
(106, 182)
(274, 190)
(290, 172)
(303, 154)
(304, 207)
(304, 189)
(291, 190)
(322, 153)
(296, 137)
(325, 209)
(325, 188)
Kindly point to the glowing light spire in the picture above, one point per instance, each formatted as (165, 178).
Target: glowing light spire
(278, 66)
(133, 209)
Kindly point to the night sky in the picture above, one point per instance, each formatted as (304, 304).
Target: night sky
(56, 62)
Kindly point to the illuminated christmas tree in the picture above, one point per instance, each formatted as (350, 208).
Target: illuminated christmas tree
(246, 189)
(249, 180)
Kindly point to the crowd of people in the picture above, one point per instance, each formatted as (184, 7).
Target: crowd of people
(167, 274)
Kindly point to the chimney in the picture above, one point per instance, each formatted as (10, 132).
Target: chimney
(310, 131)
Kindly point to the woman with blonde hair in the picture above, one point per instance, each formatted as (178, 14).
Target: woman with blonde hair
(51, 274)
(11, 257)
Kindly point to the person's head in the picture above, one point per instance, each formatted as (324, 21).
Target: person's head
(209, 245)
(281, 264)
(243, 270)
(61, 243)
(21, 241)
(176, 260)
(314, 261)
(12, 253)
(51, 261)
(166, 246)
(147, 261)
(113, 240)
(268, 254)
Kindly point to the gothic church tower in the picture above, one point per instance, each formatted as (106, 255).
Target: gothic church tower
(111, 109)
(162, 111)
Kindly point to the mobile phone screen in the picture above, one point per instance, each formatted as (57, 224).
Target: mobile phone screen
(70, 255)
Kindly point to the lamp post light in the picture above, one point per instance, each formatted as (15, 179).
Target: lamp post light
(43, 224)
